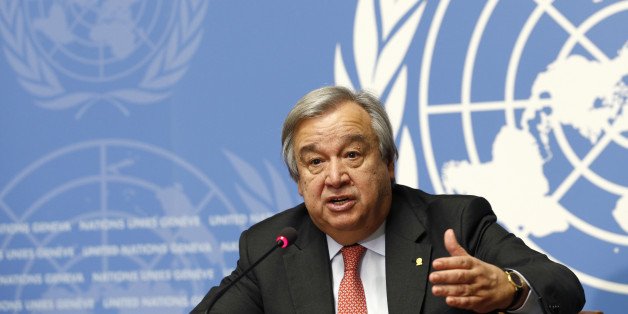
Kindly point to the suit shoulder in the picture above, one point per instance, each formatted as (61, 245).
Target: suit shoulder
(453, 205)
(429, 198)
(271, 226)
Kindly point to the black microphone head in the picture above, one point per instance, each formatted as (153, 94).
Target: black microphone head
(286, 237)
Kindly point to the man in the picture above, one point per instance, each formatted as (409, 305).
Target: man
(417, 252)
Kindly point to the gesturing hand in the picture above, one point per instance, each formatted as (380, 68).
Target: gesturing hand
(467, 282)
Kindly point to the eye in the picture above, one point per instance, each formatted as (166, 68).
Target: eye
(315, 162)
(352, 155)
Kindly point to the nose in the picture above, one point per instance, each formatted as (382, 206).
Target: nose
(337, 175)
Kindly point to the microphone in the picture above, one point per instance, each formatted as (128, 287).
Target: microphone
(286, 237)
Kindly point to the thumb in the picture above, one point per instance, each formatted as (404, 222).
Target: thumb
(452, 246)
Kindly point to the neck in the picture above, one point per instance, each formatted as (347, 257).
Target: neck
(349, 240)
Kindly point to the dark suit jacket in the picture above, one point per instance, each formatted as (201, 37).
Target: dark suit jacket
(298, 279)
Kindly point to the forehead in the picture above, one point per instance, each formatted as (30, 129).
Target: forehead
(340, 121)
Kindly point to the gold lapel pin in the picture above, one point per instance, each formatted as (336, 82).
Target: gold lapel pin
(419, 261)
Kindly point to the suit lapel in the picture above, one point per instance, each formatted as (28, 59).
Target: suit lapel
(309, 272)
(406, 282)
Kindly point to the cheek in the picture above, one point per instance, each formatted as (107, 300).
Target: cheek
(310, 187)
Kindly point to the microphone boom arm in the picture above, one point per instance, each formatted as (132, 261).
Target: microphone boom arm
(286, 238)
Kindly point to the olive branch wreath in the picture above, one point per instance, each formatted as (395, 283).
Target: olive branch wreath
(380, 67)
(165, 69)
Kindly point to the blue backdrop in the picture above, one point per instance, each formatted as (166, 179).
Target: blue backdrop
(139, 138)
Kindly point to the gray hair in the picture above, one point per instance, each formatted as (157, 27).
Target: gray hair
(319, 101)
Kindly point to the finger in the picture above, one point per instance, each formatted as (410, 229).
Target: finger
(453, 290)
(468, 303)
(452, 245)
(456, 262)
(451, 277)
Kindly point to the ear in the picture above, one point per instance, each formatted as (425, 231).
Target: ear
(299, 188)
(391, 170)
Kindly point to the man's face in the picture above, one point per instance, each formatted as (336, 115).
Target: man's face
(343, 179)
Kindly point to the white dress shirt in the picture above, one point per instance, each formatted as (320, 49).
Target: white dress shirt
(373, 274)
(372, 270)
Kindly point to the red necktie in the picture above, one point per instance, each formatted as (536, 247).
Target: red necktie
(351, 299)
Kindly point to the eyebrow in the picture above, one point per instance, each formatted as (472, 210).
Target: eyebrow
(347, 139)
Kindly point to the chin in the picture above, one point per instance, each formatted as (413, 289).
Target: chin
(346, 224)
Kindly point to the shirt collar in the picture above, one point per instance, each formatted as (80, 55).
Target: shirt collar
(376, 242)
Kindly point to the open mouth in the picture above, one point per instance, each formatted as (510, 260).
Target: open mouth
(339, 201)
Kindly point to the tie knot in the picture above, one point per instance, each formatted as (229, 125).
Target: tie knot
(352, 255)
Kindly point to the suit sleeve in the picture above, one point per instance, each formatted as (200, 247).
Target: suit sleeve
(558, 288)
(243, 297)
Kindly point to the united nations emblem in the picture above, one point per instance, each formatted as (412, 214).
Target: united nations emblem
(523, 102)
(110, 233)
(82, 53)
